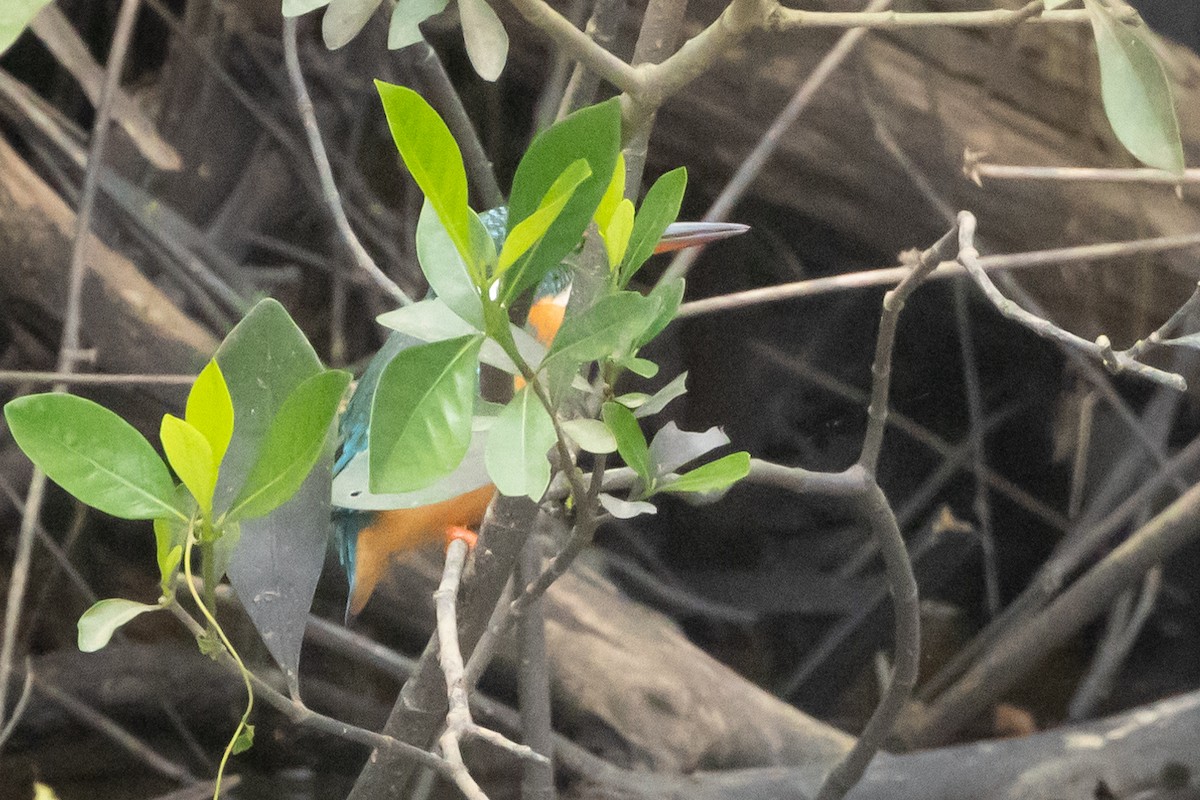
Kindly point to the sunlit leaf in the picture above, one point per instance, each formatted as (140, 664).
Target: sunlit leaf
(625, 509)
(485, 37)
(210, 409)
(101, 621)
(191, 456)
(652, 405)
(421, 416)
(616, 234)
(15, 15)
(590, 434)
(292, 445)
(1133, 84)
(672, 448)
(344, 19)
(408, 14)
(613, 195)
(526, 233)
(631, 443)
(434, 160)
(93, 454)
(712, 477)
(432, 321)
(592, 133)
(517, 447)
(659, 209)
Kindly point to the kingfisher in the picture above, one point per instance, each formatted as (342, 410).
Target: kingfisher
(368, 541)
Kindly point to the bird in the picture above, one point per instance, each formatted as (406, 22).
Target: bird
(368, 541)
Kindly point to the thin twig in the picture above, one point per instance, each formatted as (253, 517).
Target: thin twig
(69, 349)
(977, 170)
(533, 684)
(93, 378)
(1101, 349)
(892, 275)
(329, 189)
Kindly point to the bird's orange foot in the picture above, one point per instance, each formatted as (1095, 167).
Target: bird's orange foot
(458, 532)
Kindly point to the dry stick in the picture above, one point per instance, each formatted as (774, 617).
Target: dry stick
(420, 711)
(329, 189)
(69, 352)
(890, 276)
(106, 726)
(769, 142)
(93, 379)
(981, 504)
(1101, 349)
(1026, 646)
(533, 684)
(976, 170)
(459, 724)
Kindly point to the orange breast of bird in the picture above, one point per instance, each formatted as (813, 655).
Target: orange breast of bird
(403, 530)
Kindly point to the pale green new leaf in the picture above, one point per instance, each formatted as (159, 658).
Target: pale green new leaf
(712, 477)
(408, 14)
(517, 445)
(434, 160)
(529, 231)
(210, 410)
(613, 195)
(93, 454)
(616, 234)
(485, 38)
(1133, 84)
(101, 621)
(191, 456)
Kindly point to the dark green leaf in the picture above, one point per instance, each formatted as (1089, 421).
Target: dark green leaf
(668, 295)
(593, 134)
(263, 360)
(1137, 96)
(101, 621)
(530, 230)
(485, 37)
(673, 448)
(434, 160)
(408, 14)
(93, 454)
(292, 445)
(659, 209)
(446, 270)
(244, 740)
(719, 474)
(421, 417)
(344, 19)
(607, 329)
(14, 16)
(517, 445)
(631, 443)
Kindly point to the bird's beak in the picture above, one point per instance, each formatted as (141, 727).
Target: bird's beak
(689, 234)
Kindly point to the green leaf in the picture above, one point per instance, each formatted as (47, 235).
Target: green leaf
(244, 740)
(93, 454)
(434, 160)
(668, 295)
(445, 268)
(659, 209)
(631, 444)
(590, 434)
(1133, 84)
(607, 329)
(517, 447)
(170, 535)
(712, 477)
(210, 410)
(191, 456)
(407, 15)
(296, 8)
(293, 443)
(616, 234)
(100, 622)
(15, 15)
(344, 19)
(432, 320)
(485, 37)
(613, 195)
(632, 400)
(656, 403)
(350, 484)
(592, 133)
(529, 231)
(421, 416)
(264, 358)
(642, 367)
